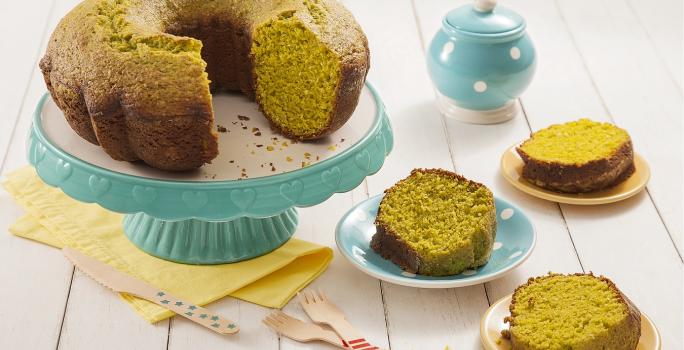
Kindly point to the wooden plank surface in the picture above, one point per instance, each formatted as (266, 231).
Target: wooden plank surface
(662, 21)
(36, 278)
(613, 60)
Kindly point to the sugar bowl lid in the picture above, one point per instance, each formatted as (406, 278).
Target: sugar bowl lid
(484, 19)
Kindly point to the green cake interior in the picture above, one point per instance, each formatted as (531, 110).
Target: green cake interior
(445, 219)
(575, 142)
(118, 30)
(296, 76)
(557, 312)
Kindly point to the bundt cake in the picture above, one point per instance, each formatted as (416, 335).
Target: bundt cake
(579, 312)
(134, 76)
(435, 222)
(576, 157)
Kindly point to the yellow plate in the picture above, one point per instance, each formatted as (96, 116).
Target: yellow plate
(492, 324)
(511, 168)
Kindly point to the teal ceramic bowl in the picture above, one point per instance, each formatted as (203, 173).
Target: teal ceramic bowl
(515, 240)
(480, 61)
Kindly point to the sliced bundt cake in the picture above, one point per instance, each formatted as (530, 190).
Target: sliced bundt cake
(579, 312)
(435, 222)
(134, 76)
(579, 156)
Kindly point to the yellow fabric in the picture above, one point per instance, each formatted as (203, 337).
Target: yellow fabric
(55, 219)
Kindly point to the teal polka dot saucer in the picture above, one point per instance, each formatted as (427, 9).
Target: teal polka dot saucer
(515, 240)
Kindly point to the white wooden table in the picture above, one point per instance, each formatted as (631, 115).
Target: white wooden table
(610, 60)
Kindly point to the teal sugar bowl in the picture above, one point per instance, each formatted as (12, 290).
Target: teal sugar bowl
(480, 62)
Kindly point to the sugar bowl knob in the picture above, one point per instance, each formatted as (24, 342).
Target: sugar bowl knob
(484, 5)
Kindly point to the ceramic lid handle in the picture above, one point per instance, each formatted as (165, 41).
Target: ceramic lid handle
(485, 5)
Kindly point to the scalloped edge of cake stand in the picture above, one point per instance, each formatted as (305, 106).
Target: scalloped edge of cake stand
(258, 213)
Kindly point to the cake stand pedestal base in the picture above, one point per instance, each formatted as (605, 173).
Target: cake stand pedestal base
(194, 241)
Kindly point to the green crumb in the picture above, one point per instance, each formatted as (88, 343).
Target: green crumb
(576, 142)
(448, 220)
(296, 76)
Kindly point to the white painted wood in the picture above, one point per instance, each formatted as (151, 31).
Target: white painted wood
(36, 278)
(662, 20)
(96, 318)
(626, 241)
(476, 151)
(397, 70)
(417, 319)
(20, 51)
(637, 92)
(35, 284)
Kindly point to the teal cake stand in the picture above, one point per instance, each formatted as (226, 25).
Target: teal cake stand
(241, 206)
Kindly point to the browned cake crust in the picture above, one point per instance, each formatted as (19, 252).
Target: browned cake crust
(634, 315)
(580, 178)
(387, 243)
(165, 118)
(389, 246)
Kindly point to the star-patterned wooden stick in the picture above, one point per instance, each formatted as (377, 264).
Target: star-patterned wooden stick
(124, 283)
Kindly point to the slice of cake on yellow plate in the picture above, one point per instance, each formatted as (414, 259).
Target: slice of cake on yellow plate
(577, 157)
(578, 312)
(435, 222)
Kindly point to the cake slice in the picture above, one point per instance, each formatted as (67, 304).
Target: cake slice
(577, 157)
(579, 312)
(437, 223)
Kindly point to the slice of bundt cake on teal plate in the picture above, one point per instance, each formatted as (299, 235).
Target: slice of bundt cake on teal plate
(436, 223)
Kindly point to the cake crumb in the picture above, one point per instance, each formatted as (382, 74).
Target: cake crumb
(284, 143)
(243, 117)
(331, 148)
(244, 128)
(307, 155)
(273, 168)
(259, 145)
(289, 159)
(231, 161)
(342, 140)
(252, 152)
(269, 148)
(221, 128)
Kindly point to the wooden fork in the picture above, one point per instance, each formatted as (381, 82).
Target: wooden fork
(301, 331)
(323, 311)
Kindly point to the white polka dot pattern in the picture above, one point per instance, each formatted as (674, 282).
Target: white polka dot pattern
(515, 53)
(480, 86)
(507, 213)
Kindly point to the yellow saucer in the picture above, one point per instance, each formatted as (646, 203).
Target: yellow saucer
(511, 168)
(492, 324)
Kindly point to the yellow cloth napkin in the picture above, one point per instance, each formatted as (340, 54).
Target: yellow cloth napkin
(54, 218)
